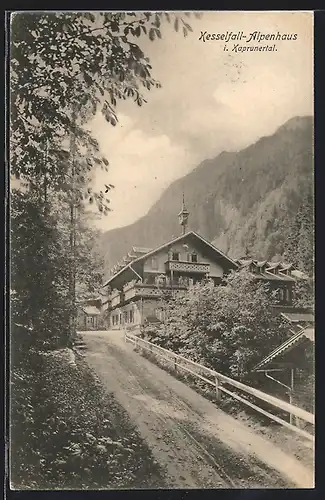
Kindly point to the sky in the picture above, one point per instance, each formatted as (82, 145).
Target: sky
(211, 100)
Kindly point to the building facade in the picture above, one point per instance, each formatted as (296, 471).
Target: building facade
(135, 291)
(133, 294)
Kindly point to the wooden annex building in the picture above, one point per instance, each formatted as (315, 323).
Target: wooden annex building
(89, 315)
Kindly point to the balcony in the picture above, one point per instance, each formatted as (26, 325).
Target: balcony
(116, 298)
(143, 290)
(105, 305)
(182, 266)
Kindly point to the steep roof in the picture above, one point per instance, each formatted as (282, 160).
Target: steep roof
(298, 338)
(191, 234)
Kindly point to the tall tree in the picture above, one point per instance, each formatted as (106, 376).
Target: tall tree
(64, 68)
(39, 266)
(62, 60)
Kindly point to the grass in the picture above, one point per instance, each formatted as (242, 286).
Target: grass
(68, 433)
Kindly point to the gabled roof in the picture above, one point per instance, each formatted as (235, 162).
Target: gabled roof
(273, 265)
(90, 310)
(287, 345)
(286, 267)
(272, 271)
(231, 263)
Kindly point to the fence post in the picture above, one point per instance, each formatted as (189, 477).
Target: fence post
(175, 364)
(291, 417)
(217, 390)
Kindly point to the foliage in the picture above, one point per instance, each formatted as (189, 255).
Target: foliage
(87, 262)
(305, 293)
(299, 247)
(64, 68)
(228, 328)
(67, 433)
(39, 266)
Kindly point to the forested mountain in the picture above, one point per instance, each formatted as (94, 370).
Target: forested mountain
(258, 202)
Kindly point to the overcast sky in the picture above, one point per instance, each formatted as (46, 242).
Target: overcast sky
(210, 101)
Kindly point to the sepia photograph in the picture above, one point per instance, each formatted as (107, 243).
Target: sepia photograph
(161, 241)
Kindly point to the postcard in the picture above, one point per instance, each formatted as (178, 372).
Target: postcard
(161, 250)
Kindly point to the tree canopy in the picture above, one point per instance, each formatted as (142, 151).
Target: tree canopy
(64, 68)
(228, 328)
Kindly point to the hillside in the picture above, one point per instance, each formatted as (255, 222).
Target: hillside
(257, 201)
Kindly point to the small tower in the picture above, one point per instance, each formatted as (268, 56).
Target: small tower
(183, 216)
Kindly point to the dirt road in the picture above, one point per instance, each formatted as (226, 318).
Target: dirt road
(197, 444)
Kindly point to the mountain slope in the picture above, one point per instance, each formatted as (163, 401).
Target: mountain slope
(245, 202)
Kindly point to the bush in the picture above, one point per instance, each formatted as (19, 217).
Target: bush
(68, 433)
(227, 328)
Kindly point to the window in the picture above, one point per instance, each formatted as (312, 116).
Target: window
(175, 256)
(154, 263)
(131, 316)
(288, 295)
(282, 295)
(194, 257)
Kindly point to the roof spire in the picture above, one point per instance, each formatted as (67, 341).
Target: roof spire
(183, 215)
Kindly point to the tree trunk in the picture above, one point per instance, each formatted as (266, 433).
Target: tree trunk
(73, 233)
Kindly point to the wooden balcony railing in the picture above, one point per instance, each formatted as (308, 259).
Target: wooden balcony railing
(187, 267)
(151, 291)
(115, 298)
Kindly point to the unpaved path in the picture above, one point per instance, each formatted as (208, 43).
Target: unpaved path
(197, 444)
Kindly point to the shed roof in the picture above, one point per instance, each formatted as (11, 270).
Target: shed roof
(295, 340)
(297, 317)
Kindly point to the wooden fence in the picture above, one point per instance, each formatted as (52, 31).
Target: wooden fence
(218, 381)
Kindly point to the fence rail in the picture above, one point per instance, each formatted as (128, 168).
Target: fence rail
(218, 381)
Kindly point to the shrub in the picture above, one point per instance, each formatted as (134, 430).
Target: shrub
(68, 433)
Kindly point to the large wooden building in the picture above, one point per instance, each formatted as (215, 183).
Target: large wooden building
(133, 293)
(136, 289)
